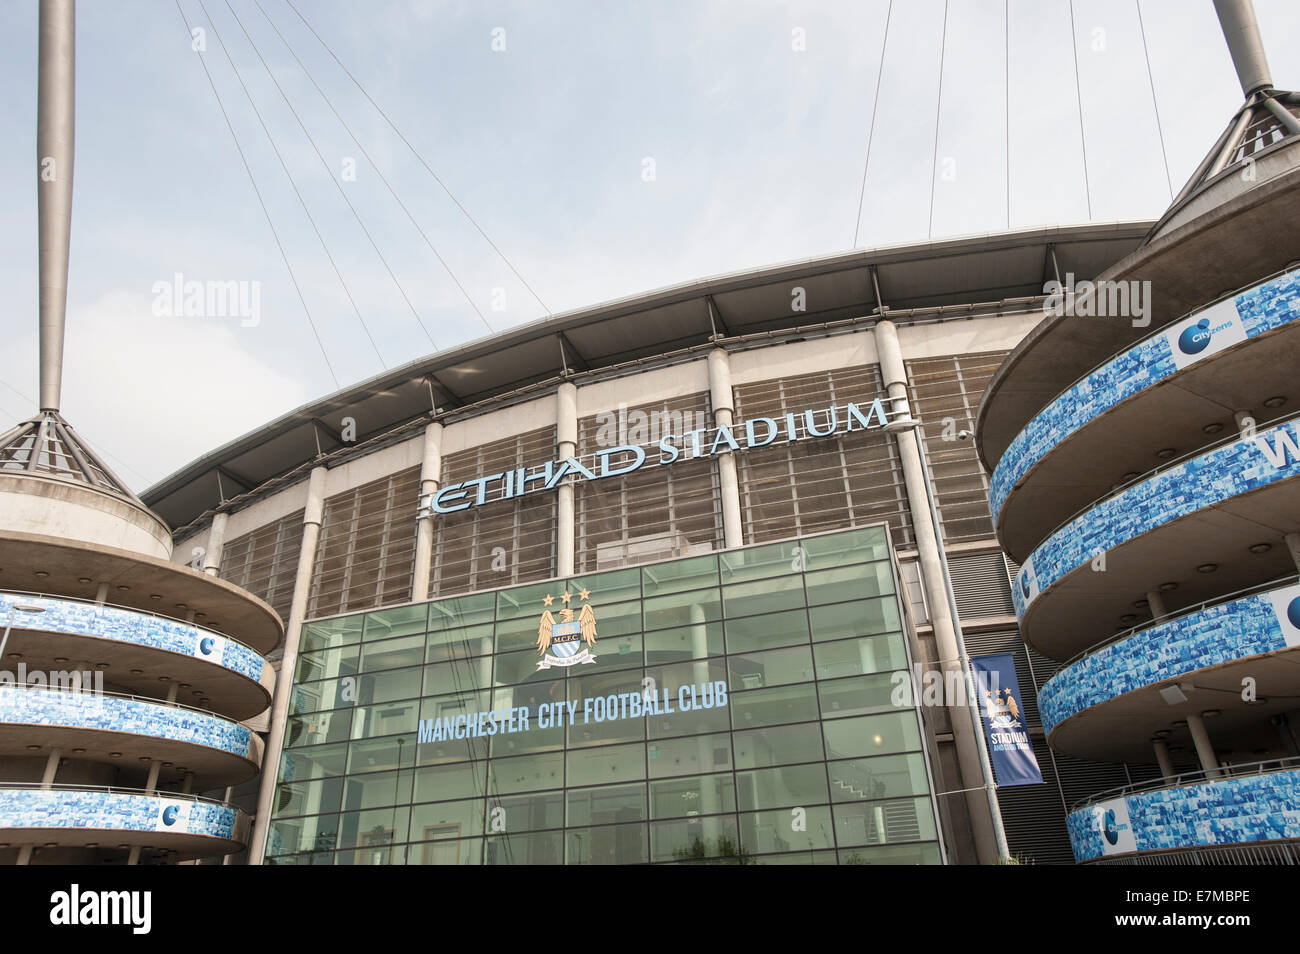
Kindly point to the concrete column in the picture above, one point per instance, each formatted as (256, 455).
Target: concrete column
(1156, 603)
(430, 478)
(1204, 749)
(1293, 547)
(1162, 758)
(154, 767)
(566, 445)
(979, 807)
(311, 521)
(720, 396)
(51, 768)
(216, 544)
(101, 594)
(1242, 418)
(47, 781)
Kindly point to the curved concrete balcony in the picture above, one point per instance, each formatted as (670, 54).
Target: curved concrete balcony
(1257, 803)
(1234, 237)
(1186, 530)
(62, 567)
(127, 731)
(134, 650)
(1162, 393)
(1107, 704)
(120, 818)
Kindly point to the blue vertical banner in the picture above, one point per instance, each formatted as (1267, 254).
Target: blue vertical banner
(1002, 712)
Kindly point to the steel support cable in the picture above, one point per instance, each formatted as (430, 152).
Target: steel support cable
(871, 132)
(1164, 153)
(1006, 91)
(293, 184)
(391, 191)
(262, 202)
(934, 160)
(436, 178)
(329, 172)
(1078, 98)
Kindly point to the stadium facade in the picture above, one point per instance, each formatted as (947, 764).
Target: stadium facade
(724, 435)
(642, 582)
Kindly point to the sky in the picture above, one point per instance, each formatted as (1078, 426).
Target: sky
(606, 148)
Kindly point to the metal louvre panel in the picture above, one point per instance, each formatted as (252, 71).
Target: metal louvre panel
(653, 513)
(367, 546)
(265, 561)
(945, 393)
(980, 584)
(820, 484)
(503, 541)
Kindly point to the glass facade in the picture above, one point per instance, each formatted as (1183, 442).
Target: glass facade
(727, 708)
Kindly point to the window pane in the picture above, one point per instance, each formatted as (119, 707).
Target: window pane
(886, 776)
(762, 632)
(610, 845)
(858, 618)
(783, 830)
(689, 756)
(794, 785)
(696, 795)
(772, 668)
(612, 763)
(872, 735)
(879, 823)
(760, 707)
(780, 746)
(695, 840)
(862, 695)
(612, 803)
(683, 642)
(852, 657)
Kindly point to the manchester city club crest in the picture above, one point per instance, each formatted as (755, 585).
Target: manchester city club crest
(1002, 710)
(568, 640)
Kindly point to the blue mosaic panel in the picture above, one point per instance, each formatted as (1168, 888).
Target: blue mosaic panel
(1218, 475)
(87, 710)
(1229, 811)
(111, 622)
(1208, 637)
(1260, 309)
(114, 811)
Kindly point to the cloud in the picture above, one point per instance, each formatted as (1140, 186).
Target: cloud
(155, 392)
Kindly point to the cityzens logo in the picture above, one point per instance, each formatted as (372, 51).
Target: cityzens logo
(1024, 585)
(205, 646)
(169, 815)
(1110, 826)
(1293, 612)
(1196, 338)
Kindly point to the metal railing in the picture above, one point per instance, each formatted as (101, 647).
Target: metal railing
(27, 594)
(1132, 344)
(1225, 773)
(1167, 617)
(118, 695)
(1162, 467)
(119, 790)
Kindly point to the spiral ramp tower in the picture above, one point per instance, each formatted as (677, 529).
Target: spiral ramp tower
(127, 682)
(1145, 462)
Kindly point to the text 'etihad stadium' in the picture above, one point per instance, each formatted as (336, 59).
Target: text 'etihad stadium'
(626, 458)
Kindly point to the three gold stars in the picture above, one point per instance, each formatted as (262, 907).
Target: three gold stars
(583, 594)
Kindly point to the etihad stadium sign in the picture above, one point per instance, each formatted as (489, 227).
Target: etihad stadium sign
(628, 458)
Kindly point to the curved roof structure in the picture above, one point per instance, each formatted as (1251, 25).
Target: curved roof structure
(952, 278)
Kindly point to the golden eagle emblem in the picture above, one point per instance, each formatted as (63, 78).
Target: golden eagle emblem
(565, 638)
